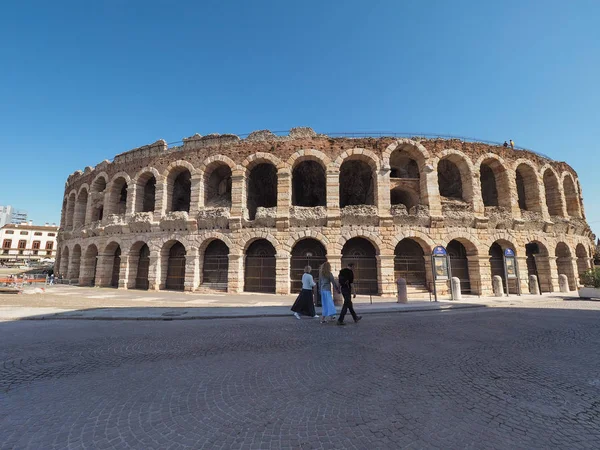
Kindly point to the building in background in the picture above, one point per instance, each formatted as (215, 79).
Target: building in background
(26, 242)
(8, 214)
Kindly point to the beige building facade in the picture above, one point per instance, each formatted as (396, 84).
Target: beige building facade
(223, 213)
(27, 242)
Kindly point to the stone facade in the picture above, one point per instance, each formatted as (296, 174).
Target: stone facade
(220, 212)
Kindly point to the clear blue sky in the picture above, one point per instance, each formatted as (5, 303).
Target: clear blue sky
(83, 81)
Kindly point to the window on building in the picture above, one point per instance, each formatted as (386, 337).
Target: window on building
(24, 233)
(7, 243)
(35, 252)
(36, 245)
(49, 253)
(37, 233)
(5, 252)
(49, 245)
(51, 234)
(20, 252)
(22, 244)
(10, 232)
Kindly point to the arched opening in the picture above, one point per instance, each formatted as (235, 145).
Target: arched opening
(80, 208)
(90, 263)
(70, 211)
(215, 265)
(145, 200)
(259, 270)
(409, 263)
(64, 263)
(175, 267)
(309, 184)
(459, 263)
(142, 252)
(116, 268)
(179, 190)
(496, 253)
(450, 180)
(527, 188)
(403, 196)
(571, 198)
(403, 166)
(564, 264)
(538, 264)
(307, 252)
(357, 184)
(117, 197)
(217, 186)
(583, 260)
(97, 199)
(489, 190)
(262, 188)
(73, 268)
(362, 254)
(553, 198)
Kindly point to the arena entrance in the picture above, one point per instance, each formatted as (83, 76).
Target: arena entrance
(307, 252)
(535, 266)
(459, 264)
(360, 252)
(176, 267)
(215, 266)
(409, 263)
(259, 271)
(496, 254)
(143, 269)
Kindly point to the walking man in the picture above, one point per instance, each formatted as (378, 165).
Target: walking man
(346, 279)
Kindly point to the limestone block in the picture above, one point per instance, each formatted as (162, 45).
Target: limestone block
(534, 287)
(456, 288)
(563, 283)
(402, 291)
(497, 286)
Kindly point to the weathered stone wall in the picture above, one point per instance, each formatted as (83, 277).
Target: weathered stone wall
(510, 210)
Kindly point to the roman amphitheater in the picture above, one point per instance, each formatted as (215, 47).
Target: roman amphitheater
(225, 213)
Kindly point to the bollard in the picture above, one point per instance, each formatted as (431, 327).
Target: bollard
(456, 288)
(402, 291)
(497, 286)
(534, 287)
(563, 283)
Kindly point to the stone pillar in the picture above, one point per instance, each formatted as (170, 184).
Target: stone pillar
(563, 283)
(132, 268)
(195, 195)
(497, 286)
(238, 200)
(386, 285)
(336, 262)
(476, 198)
(154, 271)
(160, 199)
(513, 194)
(383, 193)
(104, 270)
(192, 273)
(480, 274)
(235, 274)
(428, 273)
(432, 193)
(523, 273)
(534, 287)
(131, 193)
(456, 288)
(402, 291)
(88, 271)
(284, 199)
(282, 274)
(124, 271)
(333, 199)
(107, 207)
(73, 269)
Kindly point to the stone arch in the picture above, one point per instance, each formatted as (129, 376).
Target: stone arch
(217, 173)
(139, 266)
(553, 191)
(87, 273)
(215, 264)
(583, 259)
(423, 239)
(64, 262)
(309, 182)
(173, 260)
(178, 186)
(261, 184)
(111, 264)
(73, 269)
(358, 170)
(571, 195)
(260, 266)
(496, 257)
(261, 158)
(81, 206)
(494, 181)
(248, 238)
(306, 251)
(538, 263)
(309, 155)
(297, 236)
(362, 252)
(464, 262)
(528, 186)
(96, 197)
(409, 262)
(370, 236)
(118, 191)
(70, 216)
(564, 263)
(146, 182)
(455, 176)
(417, 151)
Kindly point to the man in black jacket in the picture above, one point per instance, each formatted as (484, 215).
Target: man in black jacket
(346, 279)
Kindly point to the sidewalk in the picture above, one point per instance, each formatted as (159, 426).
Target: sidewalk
(69, 302)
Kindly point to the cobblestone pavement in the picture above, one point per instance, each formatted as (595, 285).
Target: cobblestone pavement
(480, 378)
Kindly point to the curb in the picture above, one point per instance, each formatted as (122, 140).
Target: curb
(250, 316)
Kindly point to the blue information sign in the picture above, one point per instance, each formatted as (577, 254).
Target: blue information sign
(509, 253)
(439, 251)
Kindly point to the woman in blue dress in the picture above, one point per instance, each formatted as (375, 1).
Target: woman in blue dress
(326, 281)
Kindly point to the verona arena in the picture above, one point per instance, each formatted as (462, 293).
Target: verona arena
(223, 213)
